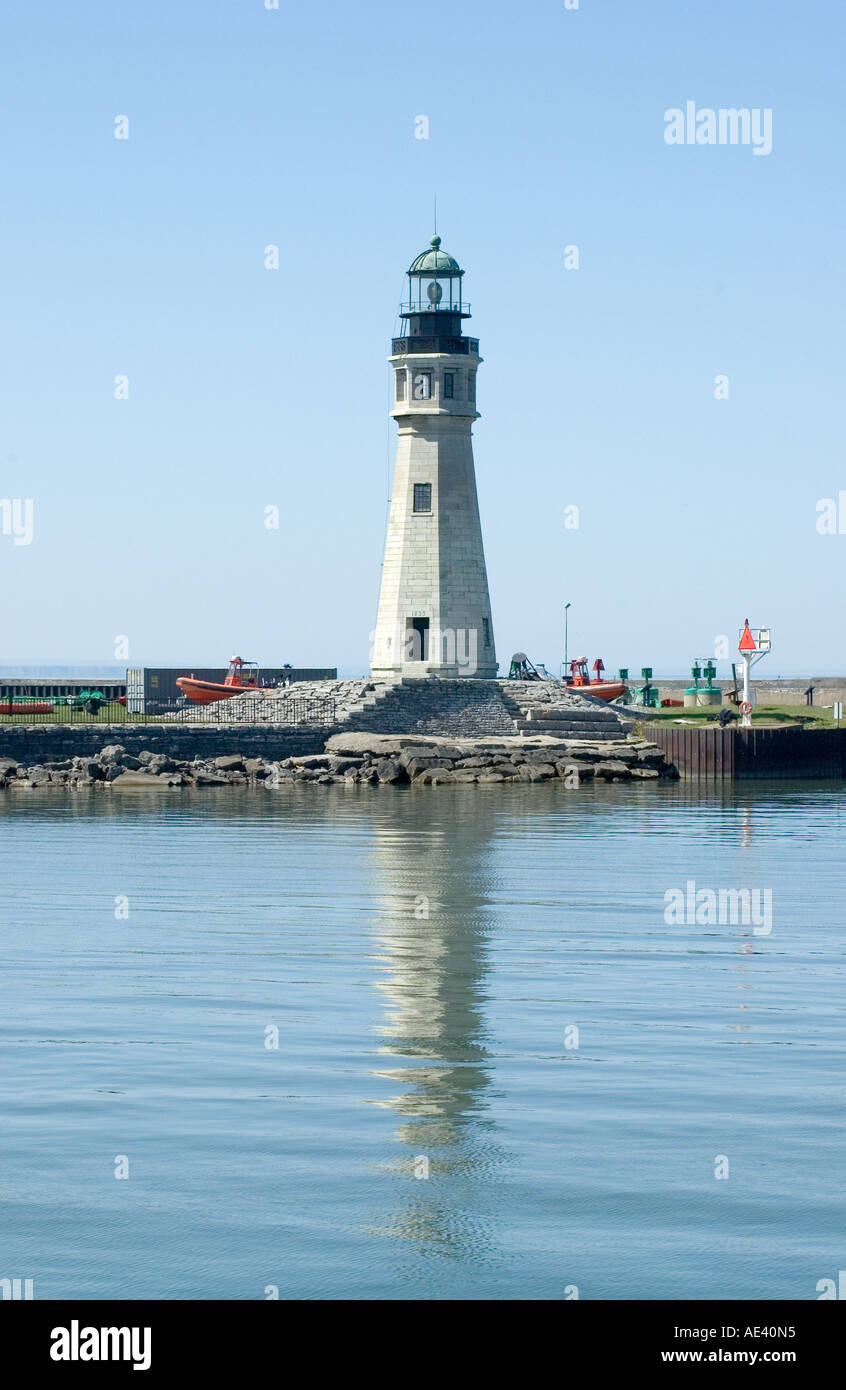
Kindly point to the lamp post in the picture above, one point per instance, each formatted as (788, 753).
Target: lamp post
(566, 616)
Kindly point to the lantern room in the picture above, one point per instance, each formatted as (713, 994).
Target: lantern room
(434, 284)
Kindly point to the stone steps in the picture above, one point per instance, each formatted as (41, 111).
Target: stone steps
(430, 705)
(474, 708)
(367, 702)
(587, 715)
(570, 728)
(559, 713)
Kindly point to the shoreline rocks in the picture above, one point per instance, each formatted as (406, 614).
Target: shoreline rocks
(360, 759)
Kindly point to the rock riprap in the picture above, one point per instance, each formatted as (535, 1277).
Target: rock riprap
(357, 759)
(115, 769)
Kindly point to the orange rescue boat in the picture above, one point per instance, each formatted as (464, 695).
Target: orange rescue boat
(599, 688)
(241, 676)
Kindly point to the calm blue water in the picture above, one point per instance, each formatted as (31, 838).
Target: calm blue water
(407, 1040)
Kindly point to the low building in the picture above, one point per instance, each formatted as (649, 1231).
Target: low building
(47, 687)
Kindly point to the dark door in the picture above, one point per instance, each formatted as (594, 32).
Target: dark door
(419, 644)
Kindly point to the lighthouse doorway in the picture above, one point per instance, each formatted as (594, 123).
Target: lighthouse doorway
(417, 639)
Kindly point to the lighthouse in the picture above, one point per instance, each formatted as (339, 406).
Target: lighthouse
(434, 615)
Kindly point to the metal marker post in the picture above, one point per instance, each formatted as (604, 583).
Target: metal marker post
(752, 646)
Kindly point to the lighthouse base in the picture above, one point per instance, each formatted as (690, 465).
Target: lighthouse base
(419, 650)
(421, 670)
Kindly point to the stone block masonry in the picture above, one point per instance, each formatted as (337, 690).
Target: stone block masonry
(456, 708)
(461, 708)
(434, 613)
(47, 743)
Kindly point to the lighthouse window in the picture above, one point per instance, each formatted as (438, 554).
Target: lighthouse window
(422, 497)
(448, 386)
(486, 629)
(400, 376)
(471, 386)
(423, 386)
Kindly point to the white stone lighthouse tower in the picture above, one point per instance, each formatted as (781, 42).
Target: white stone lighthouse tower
(434, 611)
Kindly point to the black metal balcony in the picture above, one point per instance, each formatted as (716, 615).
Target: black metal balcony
(420, 344)
(411, 308)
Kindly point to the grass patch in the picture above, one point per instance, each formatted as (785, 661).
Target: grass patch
(111, 713)
(765, 716)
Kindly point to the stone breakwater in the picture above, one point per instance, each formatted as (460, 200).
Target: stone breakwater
(359, 759)
(366, 758)
(114, 768)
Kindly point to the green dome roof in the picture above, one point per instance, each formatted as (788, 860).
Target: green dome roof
(435, 261)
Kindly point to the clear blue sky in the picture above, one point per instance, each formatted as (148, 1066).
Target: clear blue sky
(250, 387)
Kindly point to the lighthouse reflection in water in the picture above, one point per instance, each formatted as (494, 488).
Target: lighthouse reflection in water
(431, 953)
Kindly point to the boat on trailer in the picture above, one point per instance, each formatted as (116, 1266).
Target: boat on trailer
(598, 687)
(241, 677)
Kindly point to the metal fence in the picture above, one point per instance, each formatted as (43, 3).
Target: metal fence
(315, 712)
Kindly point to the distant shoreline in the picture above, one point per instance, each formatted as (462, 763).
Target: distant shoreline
(117, 671)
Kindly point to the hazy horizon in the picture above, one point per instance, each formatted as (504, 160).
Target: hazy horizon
(46, 669)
